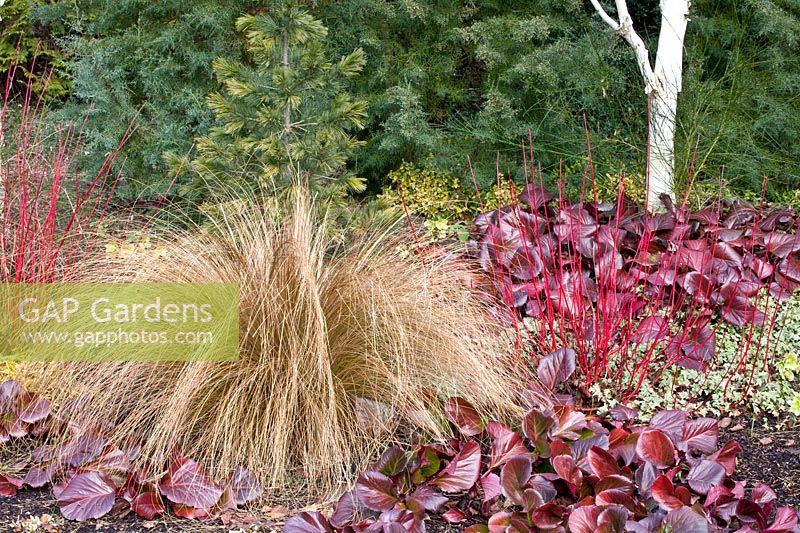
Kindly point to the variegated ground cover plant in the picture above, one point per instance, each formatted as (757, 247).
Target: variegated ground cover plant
(91, 477)
(562, 470)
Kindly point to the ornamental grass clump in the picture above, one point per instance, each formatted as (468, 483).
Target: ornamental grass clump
(334, 342)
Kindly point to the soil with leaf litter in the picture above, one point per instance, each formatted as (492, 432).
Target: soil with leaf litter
(35, 510)
(31, 504)
(771, 457)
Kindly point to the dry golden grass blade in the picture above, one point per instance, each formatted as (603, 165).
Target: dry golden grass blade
(330, 338)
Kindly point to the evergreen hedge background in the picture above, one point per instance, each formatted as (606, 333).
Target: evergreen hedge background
(442, 81)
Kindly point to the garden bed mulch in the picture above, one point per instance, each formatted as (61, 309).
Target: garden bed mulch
(20, 514)
(771, 457)
(35, 510)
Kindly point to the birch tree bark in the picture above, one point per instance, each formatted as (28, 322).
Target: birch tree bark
(662, 85)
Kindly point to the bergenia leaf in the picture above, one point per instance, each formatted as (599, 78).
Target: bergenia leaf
(556, 367)
(651, 328)
(785, 521)
(663, 492)
(565, 467)
(603, 463)
(490, 483)
(537, 425)
(462, 472)
(670, 422)
(392, 462)
(245, 486)
(308, 522)
(749, 512)
(9, 485)
(185, 483)
(514, 477)
(427, 464)
(36, 409)
(376, 491)
(148, 505)
(87, 495)
(463, 416)
(9, 391)
(615, 482)
(615, 497)
(781, 244)
(705, 475)
(39, 476)
(430, 499)
(570, 423)
(345, 510)
(584, 519)
(454, 516)
(623, 413)
(535, 196)
(612, 519)
(189, 512)
(506, 444)
(763, 494)
(701, 434)
(686, 519)
(726, 456)
(548, 516)
(83, 449)
(655, 447)
(399, 521)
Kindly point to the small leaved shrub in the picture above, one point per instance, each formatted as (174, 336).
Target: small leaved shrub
(503, 192)
(27, 52)
(632, 185)
(560, 470)
(426, 192)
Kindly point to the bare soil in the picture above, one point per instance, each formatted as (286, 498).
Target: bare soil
(771, 457)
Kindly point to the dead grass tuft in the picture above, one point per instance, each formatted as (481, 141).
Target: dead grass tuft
(333, 339)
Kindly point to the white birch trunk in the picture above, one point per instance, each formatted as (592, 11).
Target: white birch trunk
(661, 148)
(662, 84)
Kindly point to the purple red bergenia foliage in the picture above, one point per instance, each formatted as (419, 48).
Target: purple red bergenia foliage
(632, 291)
(50, 213)
(91, 477)
(564, 471)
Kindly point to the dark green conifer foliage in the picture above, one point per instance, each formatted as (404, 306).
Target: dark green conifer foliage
(151, 57)
(285, 114)
(445, 80)
(29, 44)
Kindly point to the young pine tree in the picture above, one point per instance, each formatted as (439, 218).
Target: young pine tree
(285, 116)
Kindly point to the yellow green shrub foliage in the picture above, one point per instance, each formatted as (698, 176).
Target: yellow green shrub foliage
(426, 192)
(633, 185)
(499, 195)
